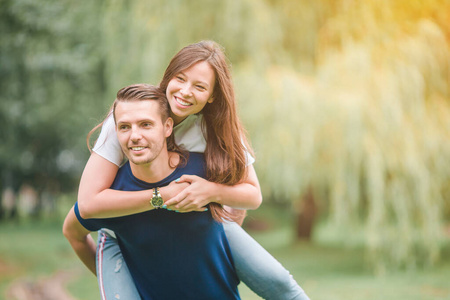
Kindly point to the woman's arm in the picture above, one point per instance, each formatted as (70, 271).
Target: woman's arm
(97, 200)
(245, 195)
(81, 241)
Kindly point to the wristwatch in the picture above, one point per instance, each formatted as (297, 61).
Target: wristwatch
(156, 201)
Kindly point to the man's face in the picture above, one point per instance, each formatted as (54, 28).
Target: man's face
(140, 130)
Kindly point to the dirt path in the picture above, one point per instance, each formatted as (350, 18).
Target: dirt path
(51, 288)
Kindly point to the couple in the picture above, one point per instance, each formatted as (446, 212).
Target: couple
(194, 254)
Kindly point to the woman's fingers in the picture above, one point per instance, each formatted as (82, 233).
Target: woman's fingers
(177, 199)
(185, 178)
(184, 210)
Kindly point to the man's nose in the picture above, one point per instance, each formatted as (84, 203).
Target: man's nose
(135, 134)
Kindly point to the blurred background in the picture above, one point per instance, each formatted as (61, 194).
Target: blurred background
(347, 105)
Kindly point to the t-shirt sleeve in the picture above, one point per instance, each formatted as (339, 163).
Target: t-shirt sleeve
(107, 145)
(89, 224)
(250, 158)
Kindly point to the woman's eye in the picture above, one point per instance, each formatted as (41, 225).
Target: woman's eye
(180, 78)
(200, 87)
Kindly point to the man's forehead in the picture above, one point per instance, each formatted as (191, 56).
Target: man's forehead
(135, 110)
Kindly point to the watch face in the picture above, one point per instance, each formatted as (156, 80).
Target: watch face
(157, 201)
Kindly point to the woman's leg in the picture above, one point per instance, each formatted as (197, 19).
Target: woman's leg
(114, 279)
(259, 270)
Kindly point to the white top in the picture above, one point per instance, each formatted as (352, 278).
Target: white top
(188, 135)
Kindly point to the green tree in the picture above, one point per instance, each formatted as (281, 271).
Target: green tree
(50, 79)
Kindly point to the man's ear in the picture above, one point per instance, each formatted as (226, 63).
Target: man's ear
(168, 126)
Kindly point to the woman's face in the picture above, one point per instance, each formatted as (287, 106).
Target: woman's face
(190, 90)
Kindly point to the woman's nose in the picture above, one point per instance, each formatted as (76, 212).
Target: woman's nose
(185, 91)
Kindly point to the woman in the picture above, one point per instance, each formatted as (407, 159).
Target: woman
(199, 89)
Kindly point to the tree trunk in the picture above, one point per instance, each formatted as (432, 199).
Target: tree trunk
(306, 216)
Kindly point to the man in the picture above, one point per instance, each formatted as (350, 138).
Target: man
(170, 255)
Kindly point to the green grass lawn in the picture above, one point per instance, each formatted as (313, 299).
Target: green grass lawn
(30, 251)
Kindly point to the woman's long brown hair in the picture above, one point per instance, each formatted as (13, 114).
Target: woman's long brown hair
(226, 143)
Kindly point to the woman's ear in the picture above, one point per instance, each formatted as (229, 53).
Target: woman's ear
(211, 100)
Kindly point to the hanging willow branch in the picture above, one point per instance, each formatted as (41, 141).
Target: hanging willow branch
(370, 129)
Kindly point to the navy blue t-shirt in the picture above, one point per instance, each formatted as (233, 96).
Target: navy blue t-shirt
(172, 255)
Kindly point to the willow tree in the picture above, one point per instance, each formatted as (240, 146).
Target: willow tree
(369, 130)
(357, 112)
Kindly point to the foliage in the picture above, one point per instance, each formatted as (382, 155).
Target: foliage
(369, 130)
(150, 33)
(349, 97)
(49, 81)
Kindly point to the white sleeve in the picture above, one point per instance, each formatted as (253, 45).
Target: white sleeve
(107, 144)
(250, 158)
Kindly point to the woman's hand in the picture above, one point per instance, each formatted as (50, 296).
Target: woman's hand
(173, 191)
(199, 193)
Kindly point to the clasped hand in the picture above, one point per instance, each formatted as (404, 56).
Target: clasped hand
(192, 197)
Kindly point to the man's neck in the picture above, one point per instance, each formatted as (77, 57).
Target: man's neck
(158, 169)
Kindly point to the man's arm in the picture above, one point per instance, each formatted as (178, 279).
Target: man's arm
(80, 239)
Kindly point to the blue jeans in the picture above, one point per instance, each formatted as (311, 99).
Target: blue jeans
(113, 276)
(259, 270)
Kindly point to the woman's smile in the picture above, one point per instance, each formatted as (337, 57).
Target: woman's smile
(182, 102)
(190, 90)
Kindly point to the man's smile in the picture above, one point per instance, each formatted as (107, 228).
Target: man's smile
(137, 148)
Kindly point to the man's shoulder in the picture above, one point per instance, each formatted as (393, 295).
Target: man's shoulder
(124, 169)
(196, 158)
(195, 165)
(124, 178)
